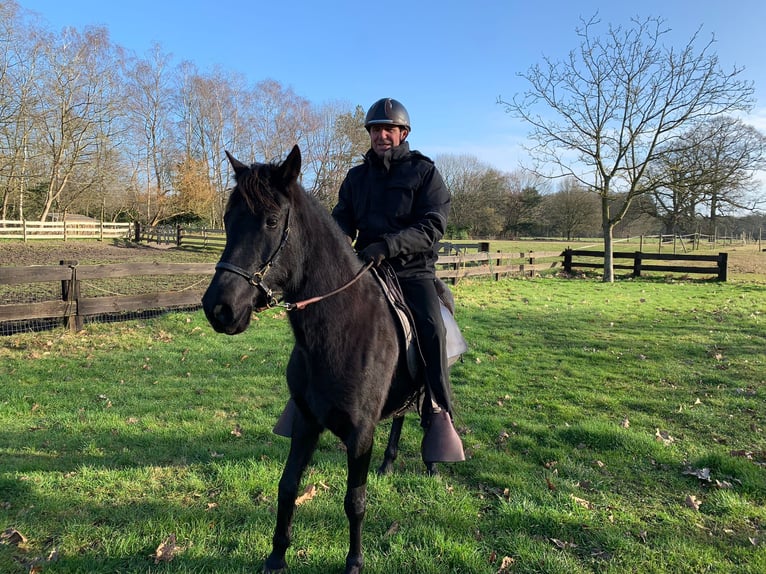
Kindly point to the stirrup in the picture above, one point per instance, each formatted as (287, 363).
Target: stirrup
(284, 426)
(441, 442)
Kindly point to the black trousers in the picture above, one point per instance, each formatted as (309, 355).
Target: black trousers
(423, 300)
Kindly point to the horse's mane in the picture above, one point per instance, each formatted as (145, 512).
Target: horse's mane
(253, 186)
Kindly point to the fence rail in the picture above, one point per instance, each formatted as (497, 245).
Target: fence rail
(456, 262)
(27, 230)
(72, 307)
(637, 265)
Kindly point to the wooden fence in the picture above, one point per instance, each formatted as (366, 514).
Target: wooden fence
(72, 306)
(456, 262)
(27, 230)
(681, 262)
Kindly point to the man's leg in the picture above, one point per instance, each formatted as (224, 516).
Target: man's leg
(441, 443)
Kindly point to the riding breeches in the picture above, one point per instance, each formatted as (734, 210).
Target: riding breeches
(423, 301)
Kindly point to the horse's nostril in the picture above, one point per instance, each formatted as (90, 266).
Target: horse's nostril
(223, 314)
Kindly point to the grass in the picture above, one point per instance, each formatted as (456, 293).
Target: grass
(609, 428)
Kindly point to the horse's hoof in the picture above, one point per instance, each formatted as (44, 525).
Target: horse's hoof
(385, 469)
(274, 566)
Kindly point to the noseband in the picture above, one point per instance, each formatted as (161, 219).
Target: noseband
(256, 279)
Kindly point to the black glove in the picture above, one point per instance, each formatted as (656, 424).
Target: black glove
(375, 253)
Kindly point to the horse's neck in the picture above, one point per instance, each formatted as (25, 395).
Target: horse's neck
(328, 259)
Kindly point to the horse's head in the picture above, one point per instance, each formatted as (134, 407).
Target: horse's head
(257, 222)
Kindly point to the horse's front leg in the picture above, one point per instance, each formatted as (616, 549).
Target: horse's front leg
(392, 448)
(302, 446)
(359, 449)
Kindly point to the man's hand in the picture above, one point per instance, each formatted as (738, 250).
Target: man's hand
(374, 253)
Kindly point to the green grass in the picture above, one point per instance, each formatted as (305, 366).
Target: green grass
(117, 437)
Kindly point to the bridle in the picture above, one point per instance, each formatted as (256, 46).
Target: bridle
(256, 279)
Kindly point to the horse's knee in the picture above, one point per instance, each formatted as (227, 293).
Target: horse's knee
(355, 502)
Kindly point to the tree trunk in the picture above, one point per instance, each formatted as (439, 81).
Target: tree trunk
(607, 226)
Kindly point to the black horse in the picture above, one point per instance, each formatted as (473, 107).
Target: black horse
(346, 371)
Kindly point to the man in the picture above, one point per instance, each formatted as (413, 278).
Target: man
(395, 206)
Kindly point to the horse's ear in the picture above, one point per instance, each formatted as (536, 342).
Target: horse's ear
(291, 167)
(238, 166)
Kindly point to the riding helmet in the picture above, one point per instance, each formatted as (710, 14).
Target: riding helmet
(387, 111)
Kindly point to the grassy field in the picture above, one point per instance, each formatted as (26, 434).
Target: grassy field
(609, 428)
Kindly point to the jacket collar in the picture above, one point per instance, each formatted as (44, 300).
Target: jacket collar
(391, 156)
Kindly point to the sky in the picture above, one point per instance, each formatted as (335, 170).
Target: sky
(447, 61)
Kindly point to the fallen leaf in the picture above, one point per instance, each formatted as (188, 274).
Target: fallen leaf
(506, 565)
(237, 431)
(561, 544)
(12, 537)
(166, 551)
(582, 502)
(664, 437)
(625, 423)
(551, 486)
(393, 529)
(308, 494)
(701, 473)
(692, 502)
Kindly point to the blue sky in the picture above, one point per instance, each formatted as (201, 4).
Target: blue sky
(446, 60)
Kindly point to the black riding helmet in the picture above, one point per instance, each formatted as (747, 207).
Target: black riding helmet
(387, 111)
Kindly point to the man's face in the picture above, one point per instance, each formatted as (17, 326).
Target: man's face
(384, 137)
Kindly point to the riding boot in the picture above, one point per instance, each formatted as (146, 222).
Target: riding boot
(284, 426)
(441, 442)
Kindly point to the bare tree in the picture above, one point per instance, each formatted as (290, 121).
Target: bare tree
(20, 49)
(76, 123)
(606, 113)
(572, 210)
(463, 175)
(149, 86)
(337, 144)
(713, 170)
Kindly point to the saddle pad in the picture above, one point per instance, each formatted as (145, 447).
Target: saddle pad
(456, 344)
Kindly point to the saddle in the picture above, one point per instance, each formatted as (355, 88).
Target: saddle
(456, 344)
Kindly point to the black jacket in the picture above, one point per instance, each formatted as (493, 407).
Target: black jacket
(400, 199)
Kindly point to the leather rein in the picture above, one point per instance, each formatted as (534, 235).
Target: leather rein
(256, 279)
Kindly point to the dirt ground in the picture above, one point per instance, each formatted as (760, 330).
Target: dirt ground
(17, 254)
(743, 260)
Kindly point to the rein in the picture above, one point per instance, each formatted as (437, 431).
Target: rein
(256, 279)
(300, 305)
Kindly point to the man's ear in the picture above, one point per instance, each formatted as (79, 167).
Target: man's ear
(405, 133)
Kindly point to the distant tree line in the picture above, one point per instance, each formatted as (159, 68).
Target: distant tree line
(87, 127)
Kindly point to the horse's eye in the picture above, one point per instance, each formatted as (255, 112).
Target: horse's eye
(272, 221)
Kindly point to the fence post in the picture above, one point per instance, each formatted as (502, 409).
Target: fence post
(138, 232)
(723, 260)
(70, 292)
(637, 264)
(532, 264)
(568, 260)
(178, 235)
